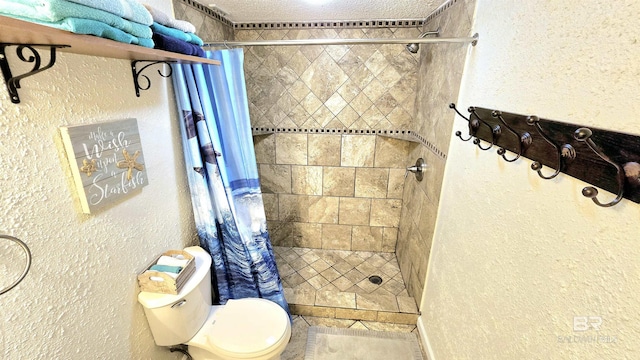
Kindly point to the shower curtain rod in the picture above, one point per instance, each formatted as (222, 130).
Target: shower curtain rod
(473, 40)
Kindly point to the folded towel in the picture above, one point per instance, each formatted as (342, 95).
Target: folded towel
(92, 27)
(128, 9)
(166, 268)
(178, 34)
(56, 10)
(171, 261)
(173, 275)
(166, 20)
(172, 44)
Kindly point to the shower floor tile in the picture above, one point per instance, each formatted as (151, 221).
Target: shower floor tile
(335, 284)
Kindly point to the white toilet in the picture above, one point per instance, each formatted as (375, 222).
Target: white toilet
(256, 329)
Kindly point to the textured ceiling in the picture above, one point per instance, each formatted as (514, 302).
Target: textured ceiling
(315, 10)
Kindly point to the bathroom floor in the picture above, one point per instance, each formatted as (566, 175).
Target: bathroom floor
(349, 285)
(297, 345)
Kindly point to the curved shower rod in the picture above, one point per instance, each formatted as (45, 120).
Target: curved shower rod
(473, 40)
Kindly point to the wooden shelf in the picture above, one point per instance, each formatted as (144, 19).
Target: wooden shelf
(15, 31)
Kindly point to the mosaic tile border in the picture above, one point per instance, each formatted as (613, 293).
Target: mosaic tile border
(325, 24)
(439, 11)
(328, 24)
(407, 135)
(208, 11)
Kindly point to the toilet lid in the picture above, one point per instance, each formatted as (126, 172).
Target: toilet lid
(248, 326)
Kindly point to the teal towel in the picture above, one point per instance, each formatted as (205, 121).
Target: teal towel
(166, 268)
(92, 27)
(128, 9)
(56, 10)
(178, 34)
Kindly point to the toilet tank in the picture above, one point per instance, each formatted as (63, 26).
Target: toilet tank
(175, 319)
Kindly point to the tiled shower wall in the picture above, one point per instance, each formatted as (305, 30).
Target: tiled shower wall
(336, 86)
(439, 78)
(326, 190)
(209, 25)
(340, 192)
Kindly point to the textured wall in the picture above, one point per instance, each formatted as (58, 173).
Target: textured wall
(515, 258)
(293, 10)
(438, 85)
(79, 299)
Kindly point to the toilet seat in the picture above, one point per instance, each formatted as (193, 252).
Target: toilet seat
(244, 328)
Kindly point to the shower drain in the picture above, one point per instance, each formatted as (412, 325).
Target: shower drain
(375, 279)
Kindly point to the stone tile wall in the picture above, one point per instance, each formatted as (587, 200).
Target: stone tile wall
(349, 191)
(340, 192)
(207, 27)
(438, 85)
(336, 86)
(322, 190)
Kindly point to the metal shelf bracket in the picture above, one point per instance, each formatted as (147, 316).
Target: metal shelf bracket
(137, 73)
(13, 82)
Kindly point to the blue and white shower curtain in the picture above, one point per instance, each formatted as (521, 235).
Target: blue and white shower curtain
(223, 178)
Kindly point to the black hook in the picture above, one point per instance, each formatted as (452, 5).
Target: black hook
(523, 141)
(584, 134)
(474, 124)
(495, 131)
(566, 153)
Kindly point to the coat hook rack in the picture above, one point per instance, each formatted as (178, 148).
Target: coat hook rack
(496, 130)
(605, 159)
(13, 82)
(566, 153)
(137, 73)
(473, 124)
(584, 134)
(523, 141)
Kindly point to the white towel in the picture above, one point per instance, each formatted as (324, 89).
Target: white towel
(171, 261)
(175, 276)
(166, 20)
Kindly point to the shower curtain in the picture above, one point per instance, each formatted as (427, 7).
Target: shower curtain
(223, 178)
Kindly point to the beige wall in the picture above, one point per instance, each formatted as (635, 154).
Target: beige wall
(79, 299)
(515, 258)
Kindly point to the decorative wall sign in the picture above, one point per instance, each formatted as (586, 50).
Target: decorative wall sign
(106, 161)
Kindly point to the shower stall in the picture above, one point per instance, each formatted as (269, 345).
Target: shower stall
(335, 127)
(339, 111)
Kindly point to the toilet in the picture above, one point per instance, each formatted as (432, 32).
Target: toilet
(253, 328)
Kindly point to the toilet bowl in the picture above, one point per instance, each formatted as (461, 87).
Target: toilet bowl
(242, 329)
(253, 328)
